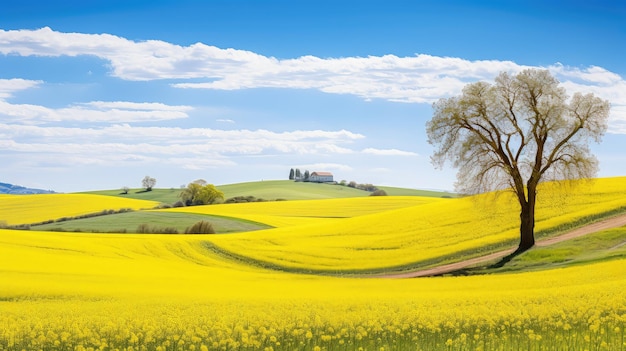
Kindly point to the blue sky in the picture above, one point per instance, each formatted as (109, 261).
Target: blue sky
(98, 94)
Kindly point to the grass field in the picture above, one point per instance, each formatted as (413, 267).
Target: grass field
(80, 291)
(37, 208)
(166, 196)
(271, 190)
(596, 247)
(130, 221)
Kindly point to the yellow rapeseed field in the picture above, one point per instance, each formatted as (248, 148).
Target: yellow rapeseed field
(418, 235)
(291, 213)
(130, 292)
(27, 209)
(74, 291)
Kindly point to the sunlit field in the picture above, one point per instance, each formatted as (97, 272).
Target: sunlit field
(85, 291)
(20, 209)
(291, 213)
(429, 232)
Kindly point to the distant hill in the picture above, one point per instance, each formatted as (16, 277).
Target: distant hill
(6, 188)
(273, 190)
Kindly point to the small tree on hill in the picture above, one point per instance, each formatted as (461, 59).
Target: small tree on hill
(306, 175)
(148, 183)
(298, 174)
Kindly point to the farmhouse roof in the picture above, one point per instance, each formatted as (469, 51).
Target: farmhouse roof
(322, 173)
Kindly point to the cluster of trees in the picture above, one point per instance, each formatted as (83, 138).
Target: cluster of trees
(296, 174)
(199, 192)
(355, 185)
(147, 183)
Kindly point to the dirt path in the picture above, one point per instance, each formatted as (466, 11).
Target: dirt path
(609, 223)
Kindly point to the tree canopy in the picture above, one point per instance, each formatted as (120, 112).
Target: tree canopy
(515, 133)
(198, 193)
(148, 183)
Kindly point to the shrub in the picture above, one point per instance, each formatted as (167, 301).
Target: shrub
(178, 204)
(241, 199)
(147, 229)
(167, 230)
(379, 192)
(202, 227)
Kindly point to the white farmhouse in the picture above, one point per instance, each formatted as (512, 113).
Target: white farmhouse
(321, 177)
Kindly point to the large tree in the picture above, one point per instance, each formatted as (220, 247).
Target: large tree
(515, 133)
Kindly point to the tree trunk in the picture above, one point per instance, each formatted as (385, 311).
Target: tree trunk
(527, 223)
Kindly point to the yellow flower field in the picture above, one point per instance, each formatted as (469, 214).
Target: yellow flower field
(418, 235)
(129, 292)
(291, 213)
(27, 209)
(79, 291)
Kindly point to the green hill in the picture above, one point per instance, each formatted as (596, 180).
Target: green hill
(394, 191)
(273, 190)
(289, 190)
(168, 196)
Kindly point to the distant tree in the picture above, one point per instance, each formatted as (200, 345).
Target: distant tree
(298, 174)
(196, 194)
(367, 187)
(292, 174)
(343, 182)
(352, 184)
(125, 190)
(516, 133)
(306, 175)
(148, 183)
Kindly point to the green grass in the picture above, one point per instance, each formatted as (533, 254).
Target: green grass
(289, 190)
(273, 190)
(393, 191)
(168, 196)
(129, 222)
(601, 246)
(594, 247)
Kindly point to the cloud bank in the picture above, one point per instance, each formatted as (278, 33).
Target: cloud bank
(418, 79)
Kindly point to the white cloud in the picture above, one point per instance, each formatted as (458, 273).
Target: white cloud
(190, 148)
(225, 120)
(388, 152)
(97, 111)
(323, 167)
(9, 86)
(419, 78)
(139, 106)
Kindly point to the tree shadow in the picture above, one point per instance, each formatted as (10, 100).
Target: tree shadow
(506, 259)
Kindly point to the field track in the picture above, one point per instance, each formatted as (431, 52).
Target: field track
(609, 223)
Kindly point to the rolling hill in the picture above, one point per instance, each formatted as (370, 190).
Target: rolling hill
(264, 289)
(273, 190)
